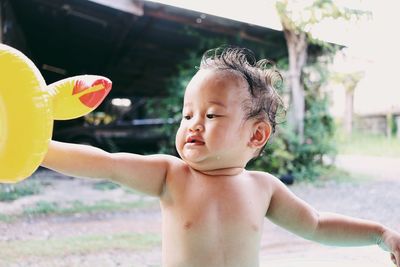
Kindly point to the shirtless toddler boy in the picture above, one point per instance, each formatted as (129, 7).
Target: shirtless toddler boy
(212, 207)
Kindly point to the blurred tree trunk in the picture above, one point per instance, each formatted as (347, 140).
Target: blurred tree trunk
(296, 18)
(297, 49)
(349, 81)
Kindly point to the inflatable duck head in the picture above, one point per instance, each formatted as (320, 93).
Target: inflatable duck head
(28, 107)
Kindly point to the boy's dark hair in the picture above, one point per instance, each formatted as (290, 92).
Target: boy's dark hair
(261, 77)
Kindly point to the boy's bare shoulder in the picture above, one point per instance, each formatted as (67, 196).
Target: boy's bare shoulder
(171, 160)
(176, 166)
(174, 162)
(265, 179)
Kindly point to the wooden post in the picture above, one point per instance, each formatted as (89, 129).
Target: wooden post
(398, 126)
(389, 118)
(349, 110)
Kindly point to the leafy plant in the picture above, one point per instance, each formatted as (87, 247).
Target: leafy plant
(287, 153)
(105, 185)
(11, 192)
(41, 207)
(17, 251)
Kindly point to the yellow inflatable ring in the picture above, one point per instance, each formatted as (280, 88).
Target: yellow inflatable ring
(28, 107)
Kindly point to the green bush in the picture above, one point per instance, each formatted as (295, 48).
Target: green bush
(41, 207)
(105, 185)
(286, 154)
(11, 192)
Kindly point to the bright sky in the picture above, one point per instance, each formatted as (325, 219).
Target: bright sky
(374, 45)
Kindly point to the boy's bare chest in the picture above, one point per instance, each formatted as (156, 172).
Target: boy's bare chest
(233, 202)
(213, 222)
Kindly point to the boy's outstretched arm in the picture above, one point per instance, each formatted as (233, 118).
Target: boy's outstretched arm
(295, 215)
(143, 173)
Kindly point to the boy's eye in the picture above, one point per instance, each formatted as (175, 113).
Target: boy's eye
(186, 117)
(211, 116)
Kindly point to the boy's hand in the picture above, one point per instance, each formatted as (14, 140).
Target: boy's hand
(391, 242)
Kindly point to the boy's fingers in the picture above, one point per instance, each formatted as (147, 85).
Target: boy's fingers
(397, 259)
(393, 258)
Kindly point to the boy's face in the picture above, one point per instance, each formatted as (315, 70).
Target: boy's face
(214, 133)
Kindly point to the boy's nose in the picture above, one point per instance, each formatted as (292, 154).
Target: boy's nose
(196, 127)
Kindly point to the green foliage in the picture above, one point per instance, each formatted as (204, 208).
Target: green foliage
(47, 250)
(300, 16)
(391, 120)
(395, 129)
(5, 218)
(41, 207)
(368, 144)
(105, 185)
(11, 192)
(287, 154)
(103, 206)
(349, 80)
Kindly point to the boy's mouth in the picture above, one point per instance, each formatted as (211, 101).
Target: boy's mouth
(196, 140)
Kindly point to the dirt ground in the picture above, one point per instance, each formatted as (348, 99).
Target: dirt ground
(376, 199)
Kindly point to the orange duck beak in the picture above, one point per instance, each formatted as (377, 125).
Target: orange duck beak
(77, 96)
(94, 94)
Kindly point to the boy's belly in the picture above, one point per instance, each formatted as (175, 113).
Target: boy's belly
(211, 241)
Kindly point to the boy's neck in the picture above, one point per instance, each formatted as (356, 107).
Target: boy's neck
(232, 171)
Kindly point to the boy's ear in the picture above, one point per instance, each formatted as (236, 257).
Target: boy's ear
(261, 134)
